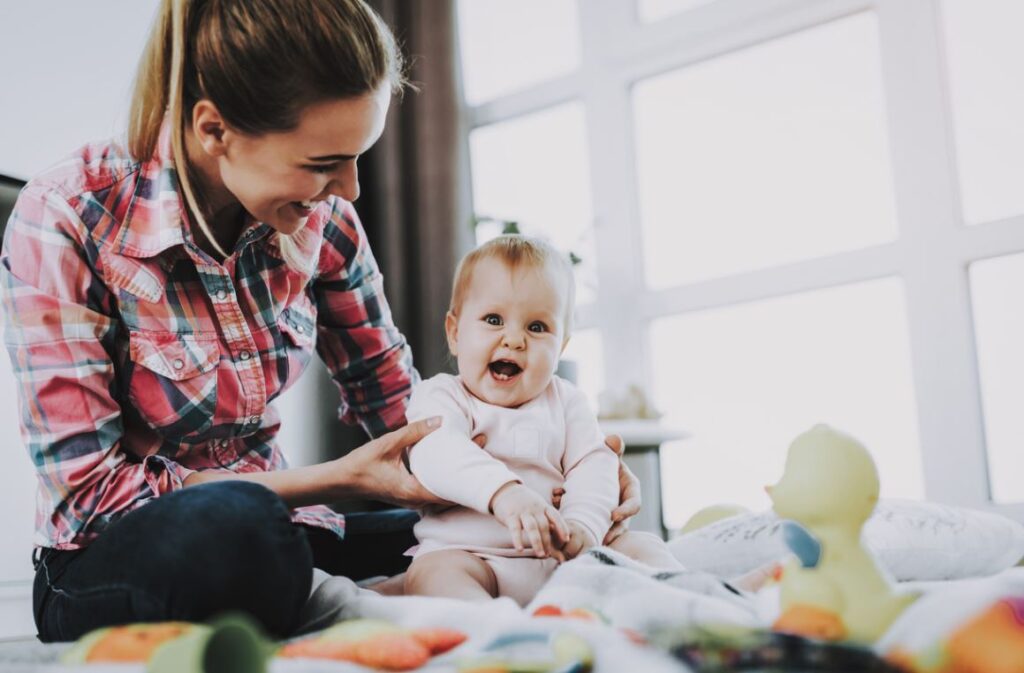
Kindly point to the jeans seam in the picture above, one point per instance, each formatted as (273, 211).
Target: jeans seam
(91, 591)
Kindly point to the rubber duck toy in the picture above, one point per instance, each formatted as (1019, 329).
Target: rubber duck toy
(833, 588)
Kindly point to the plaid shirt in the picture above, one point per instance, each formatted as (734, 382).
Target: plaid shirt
(139, 359)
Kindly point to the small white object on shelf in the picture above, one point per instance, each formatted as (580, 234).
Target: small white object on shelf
(640, 432)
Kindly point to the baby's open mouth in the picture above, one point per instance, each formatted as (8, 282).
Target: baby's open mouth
(503, 370)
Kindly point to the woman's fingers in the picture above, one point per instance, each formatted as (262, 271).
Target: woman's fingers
(615, 443)
(629, 495)
(515, 526)
(615, 532)
(404, 437)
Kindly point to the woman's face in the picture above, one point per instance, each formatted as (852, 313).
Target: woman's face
(280, 177)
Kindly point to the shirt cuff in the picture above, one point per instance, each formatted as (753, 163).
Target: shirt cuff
(593, 525)
(163, 475)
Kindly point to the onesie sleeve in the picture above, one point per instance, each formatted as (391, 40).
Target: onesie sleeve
(591, 469)
(446, 461)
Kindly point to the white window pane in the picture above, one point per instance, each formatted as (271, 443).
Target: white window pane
(534, 170)
(766, 156)
(507, 46)
(655, 10)
(584, 350)
(985, 56)
(747, 379)
(999, 333)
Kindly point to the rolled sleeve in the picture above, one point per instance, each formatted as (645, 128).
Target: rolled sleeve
(367, 355)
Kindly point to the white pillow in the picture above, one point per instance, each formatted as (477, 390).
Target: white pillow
(911, 540)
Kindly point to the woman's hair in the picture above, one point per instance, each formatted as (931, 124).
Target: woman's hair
(261, 62)
(516, 251)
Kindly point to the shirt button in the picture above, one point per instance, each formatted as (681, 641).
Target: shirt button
(245, 355)
(222, 295)
(224, 443)
(300, 329)
(179, 364)
(253, 420)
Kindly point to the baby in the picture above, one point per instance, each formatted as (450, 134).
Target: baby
(509, 321)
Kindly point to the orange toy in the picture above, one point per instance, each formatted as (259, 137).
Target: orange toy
(807, 620)
(377, 644)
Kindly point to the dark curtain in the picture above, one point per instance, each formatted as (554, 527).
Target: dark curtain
(415, 200)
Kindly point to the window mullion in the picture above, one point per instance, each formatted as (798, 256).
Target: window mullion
(938, 296)
(613, 185)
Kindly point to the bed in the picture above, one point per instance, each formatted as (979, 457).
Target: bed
(963, 562)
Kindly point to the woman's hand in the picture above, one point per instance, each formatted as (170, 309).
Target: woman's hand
(533, 522)
(629, 492)
(377, 469)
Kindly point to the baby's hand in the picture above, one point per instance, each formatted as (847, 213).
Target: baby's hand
(531, 519)
(580, 540)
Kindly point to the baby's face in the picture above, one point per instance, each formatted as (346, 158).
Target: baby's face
(509, 332)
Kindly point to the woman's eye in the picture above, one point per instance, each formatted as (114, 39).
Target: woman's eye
(538, 327)
(493, 319)
(323, 168)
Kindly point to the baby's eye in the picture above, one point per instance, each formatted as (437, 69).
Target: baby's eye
(493, 319)
(538, 327)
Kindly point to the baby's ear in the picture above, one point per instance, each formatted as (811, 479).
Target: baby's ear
(451, 331)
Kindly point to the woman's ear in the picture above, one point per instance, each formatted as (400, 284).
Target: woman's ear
(451, 331)
(209, 127)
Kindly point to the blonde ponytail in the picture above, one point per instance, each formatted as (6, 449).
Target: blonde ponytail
(261, 63)
(177, 110)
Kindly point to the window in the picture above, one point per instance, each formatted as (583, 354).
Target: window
(796, 212)
(764, 156)
(986, 67)
(996, 286)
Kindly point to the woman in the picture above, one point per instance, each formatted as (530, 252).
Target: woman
(158, 297)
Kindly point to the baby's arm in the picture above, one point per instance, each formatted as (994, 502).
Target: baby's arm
(591, 472)
(451, 466)
(446, 461)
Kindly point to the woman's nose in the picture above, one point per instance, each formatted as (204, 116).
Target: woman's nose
(346, 183)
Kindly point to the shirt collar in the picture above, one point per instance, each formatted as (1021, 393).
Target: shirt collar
(156, 218)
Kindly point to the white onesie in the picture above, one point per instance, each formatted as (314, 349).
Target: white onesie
(553, 440)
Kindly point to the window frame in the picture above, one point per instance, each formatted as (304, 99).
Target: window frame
(931, 253)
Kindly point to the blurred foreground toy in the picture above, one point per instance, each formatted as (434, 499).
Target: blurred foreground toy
(227, 645)
(833, 589)
(728, 648)
(375, 643)
(991, 642)
(532, 652)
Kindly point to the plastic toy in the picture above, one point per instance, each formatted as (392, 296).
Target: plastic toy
(228, 645)
(833, 589)
(375, 643)
(532, 652)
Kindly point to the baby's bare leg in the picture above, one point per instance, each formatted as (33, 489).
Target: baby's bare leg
(653, 551)
(451, 573)
(648, 549)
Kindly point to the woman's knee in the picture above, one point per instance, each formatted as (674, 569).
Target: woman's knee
(232, 547)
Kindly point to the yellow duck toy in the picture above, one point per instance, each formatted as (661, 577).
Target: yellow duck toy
(833, 588)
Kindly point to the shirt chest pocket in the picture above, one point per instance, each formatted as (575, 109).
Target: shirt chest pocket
(297, 324)
(173, 381)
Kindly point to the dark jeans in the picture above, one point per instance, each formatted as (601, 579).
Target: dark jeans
(204, 550)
